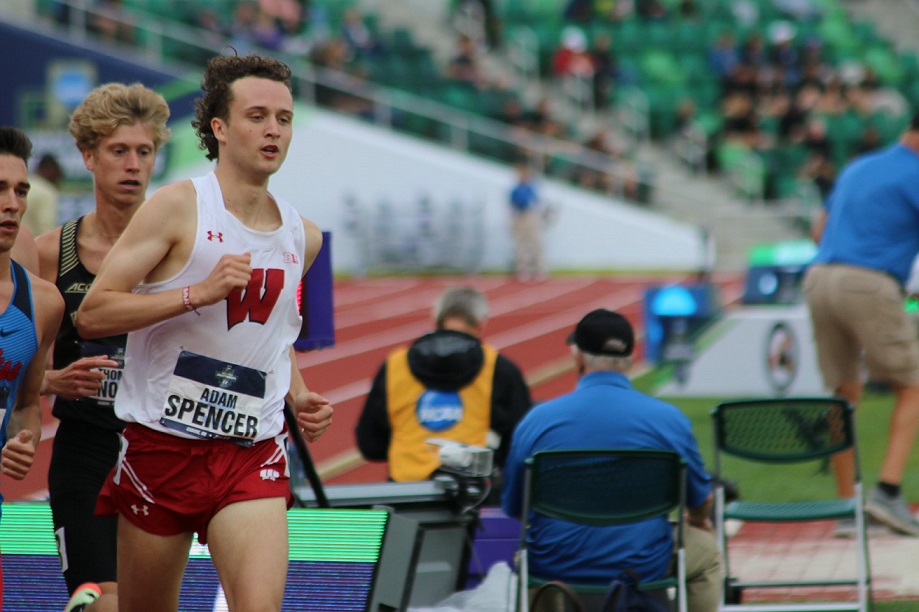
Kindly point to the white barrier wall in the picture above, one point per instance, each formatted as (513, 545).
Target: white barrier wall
(753, 351)
(335, 160)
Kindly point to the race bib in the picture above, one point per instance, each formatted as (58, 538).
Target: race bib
(105, 396)
(212, 399)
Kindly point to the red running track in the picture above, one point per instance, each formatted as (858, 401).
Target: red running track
(529, 323)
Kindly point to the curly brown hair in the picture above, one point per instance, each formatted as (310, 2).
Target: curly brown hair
(114, 104)
(219, 75)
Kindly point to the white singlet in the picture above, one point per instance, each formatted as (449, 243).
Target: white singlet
(223, 374)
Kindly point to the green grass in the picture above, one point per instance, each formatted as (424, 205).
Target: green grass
(806, 481)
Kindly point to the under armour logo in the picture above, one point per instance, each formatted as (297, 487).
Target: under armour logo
(145, 509)
(218, 236)
(269, 474)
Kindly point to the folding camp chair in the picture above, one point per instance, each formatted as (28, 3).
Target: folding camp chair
(604, 487)
(780, 432)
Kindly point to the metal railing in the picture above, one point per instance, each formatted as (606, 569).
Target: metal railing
(161, 40)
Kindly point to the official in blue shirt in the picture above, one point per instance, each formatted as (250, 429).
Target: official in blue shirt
(526, 226)
(605, 412)
(869, 237)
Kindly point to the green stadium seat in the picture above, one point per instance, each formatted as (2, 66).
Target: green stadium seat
(790, 159)
(694, 68)
(513, 11)
(401, 42)
(709, 121)
(629, 37)
(460, 95)
(909, 62)
(659, 35)
(911, 91)
(663, 101)
(889, 126)
(660, 67)
(689, 36)
(837, 34)
(885, 64)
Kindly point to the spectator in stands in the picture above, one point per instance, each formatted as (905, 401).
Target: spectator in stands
(743, 80)
(604, 411)
(295, 38)
(870, 140)
(44, 196)
(606, 69)
(110, 22)
(783, 54)
(266, 31)
(465, 65)
(242, 27)
(212, 30)
(793, 124)
(741, 120)
(834, 97)
(822, 172)
(282, 9)
(745, 13)
(572, 58)
(541, 119)
(606, 169)
(688, 10)
(512, 113)
(813, 73)
(815, 138)
(819, 166)
(487, 22)
(361, 41)
(724, 57)
(447, 384)
(651, 9)
(340, 86)
(581, 11)
(753, 52)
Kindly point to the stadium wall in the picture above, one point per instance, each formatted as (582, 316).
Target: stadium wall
(397, 202)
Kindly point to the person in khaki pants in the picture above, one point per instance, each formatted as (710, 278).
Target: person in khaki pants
(868, 235)
(526, 226)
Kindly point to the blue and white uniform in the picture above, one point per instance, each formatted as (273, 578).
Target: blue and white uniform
(18, 344)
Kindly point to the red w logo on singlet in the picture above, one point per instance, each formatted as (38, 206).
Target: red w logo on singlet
(258, 299)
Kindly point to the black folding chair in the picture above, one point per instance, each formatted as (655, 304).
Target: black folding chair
(604, 487)
(780, 432)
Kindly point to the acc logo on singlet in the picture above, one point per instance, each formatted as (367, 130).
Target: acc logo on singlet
(439, 410)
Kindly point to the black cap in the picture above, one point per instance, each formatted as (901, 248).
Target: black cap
(604, 332)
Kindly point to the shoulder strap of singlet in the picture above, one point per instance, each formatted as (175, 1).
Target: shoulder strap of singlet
(23, 296)
(68, 259)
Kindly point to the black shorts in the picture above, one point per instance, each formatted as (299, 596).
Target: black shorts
(82, 457)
